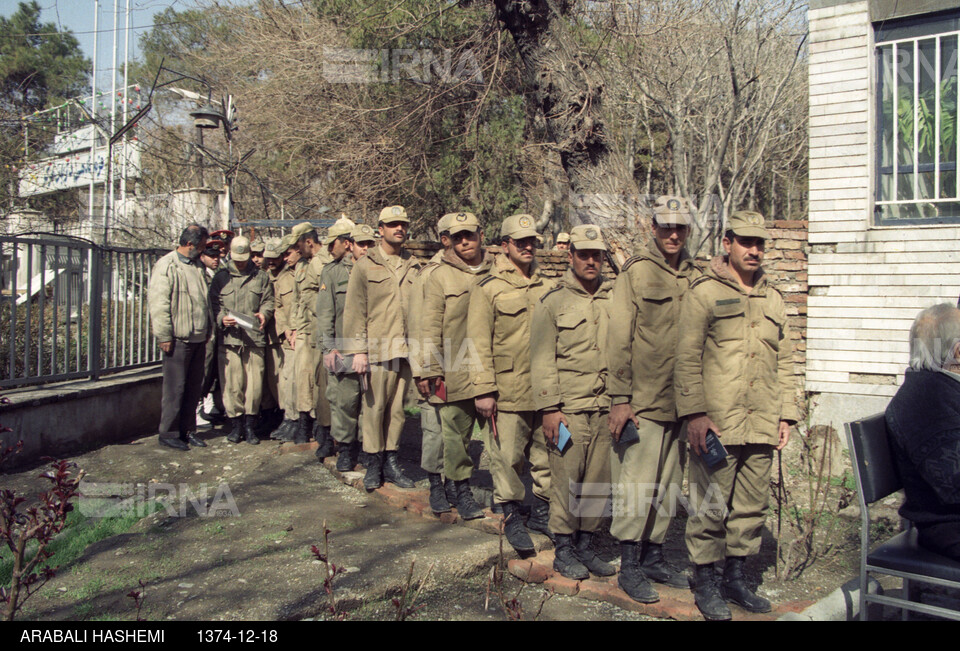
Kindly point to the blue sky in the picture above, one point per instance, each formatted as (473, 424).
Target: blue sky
(78, 16)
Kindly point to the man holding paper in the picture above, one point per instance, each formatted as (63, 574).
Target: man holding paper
(570, 389)
(241, 295)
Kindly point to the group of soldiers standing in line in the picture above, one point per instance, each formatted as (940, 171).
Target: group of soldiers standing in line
(600, 386)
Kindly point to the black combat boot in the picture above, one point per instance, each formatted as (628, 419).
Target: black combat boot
(516, 533)
(589, 558)
(656, 568)
(450, 490)
(467, 507)
(325, 441)
(236, 429)
(286, 431)
(565, 560)
(734, 587)
(303, 428)
(393, 473)
(250, 429)
(347, 457)
(706, 594)
(194, 440)
(438, 498)
(631, 579)
(539, 519)
(374, 477)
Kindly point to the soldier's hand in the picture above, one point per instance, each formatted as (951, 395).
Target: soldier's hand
(551, 425)
(784, 431)
(697, 427)
(229, 321)
(486, 405)
(619, 415)
(260, 319)
(330, 360)
(166, 347)
(424, 388)
(292, 337)
(360, 363)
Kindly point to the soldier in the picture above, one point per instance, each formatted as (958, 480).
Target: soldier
(311, 376)
(448, 356)
(257, 247)
(180, 320)
(734, 376)
(563, 242)
(443, 492)
(569, 387)
(343, 386)
(375, 327)
(644, 317)
(285, 287)
(501, 309)
(273, 355)
(242, 290)
(210, 409)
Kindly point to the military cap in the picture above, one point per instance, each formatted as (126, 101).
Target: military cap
(518, 227)
(747, 223)
(587, 236)
(363, 233)
(213, 249)
(302, 229)
(461, 221)
(272, 248)
(443, 224)
(669, 210)
(257, 246)
(288, 241)
(240, 249)
(563, 237)
(342, 226)
(221, 236)
(394, 214)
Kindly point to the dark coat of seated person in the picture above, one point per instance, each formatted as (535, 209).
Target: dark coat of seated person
(923, 419)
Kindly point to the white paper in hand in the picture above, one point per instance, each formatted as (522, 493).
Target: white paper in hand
(245, 321)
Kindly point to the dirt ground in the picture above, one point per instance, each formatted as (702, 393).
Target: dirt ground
(244, 553)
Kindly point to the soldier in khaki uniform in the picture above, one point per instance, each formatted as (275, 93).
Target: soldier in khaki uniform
(569, 387)
(285, 294)
(563, 242)
(449, 357)
(273, 355)
(241, 289)
(311, 376)
(443, 492)
(501, 309)
(648, 472)
(257, 247)
(734, 375)
(343, 385)
(375, 328)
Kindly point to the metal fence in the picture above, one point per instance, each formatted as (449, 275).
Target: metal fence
(71, 309)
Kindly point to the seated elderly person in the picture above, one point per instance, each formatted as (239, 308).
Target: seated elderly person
(924, 424)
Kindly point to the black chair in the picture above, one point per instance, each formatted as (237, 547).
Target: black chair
(901, 556)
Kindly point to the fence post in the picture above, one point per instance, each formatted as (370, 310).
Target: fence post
(95, 316)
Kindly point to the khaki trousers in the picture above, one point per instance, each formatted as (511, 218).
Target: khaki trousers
(273, 363)
(431, 445)
(728, 504)
(343, 395)
(456, 422)
(519, 439)
(382, 417)
(647, 479)
(580, 476)
(288, 384)
(305, 361)
(321, 405)
(243, 379)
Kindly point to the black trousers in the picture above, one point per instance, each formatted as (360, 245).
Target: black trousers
(182, 377)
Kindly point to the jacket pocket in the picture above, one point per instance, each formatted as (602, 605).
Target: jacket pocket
(728, 320)
(771, 327)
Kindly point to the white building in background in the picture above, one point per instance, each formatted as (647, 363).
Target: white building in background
(884, 222)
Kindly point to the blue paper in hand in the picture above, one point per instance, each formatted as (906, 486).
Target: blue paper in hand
(564, 438)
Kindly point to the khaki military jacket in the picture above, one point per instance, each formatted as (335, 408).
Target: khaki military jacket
(246, 292)
(177, 297)
(642, 335)
(331, 298)
(307, 275)
(567, 347)
(446, 349)
(735, 357)
(274, 336)
(499, 324)
(377, 307)
(284, 291)
(416, 309)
